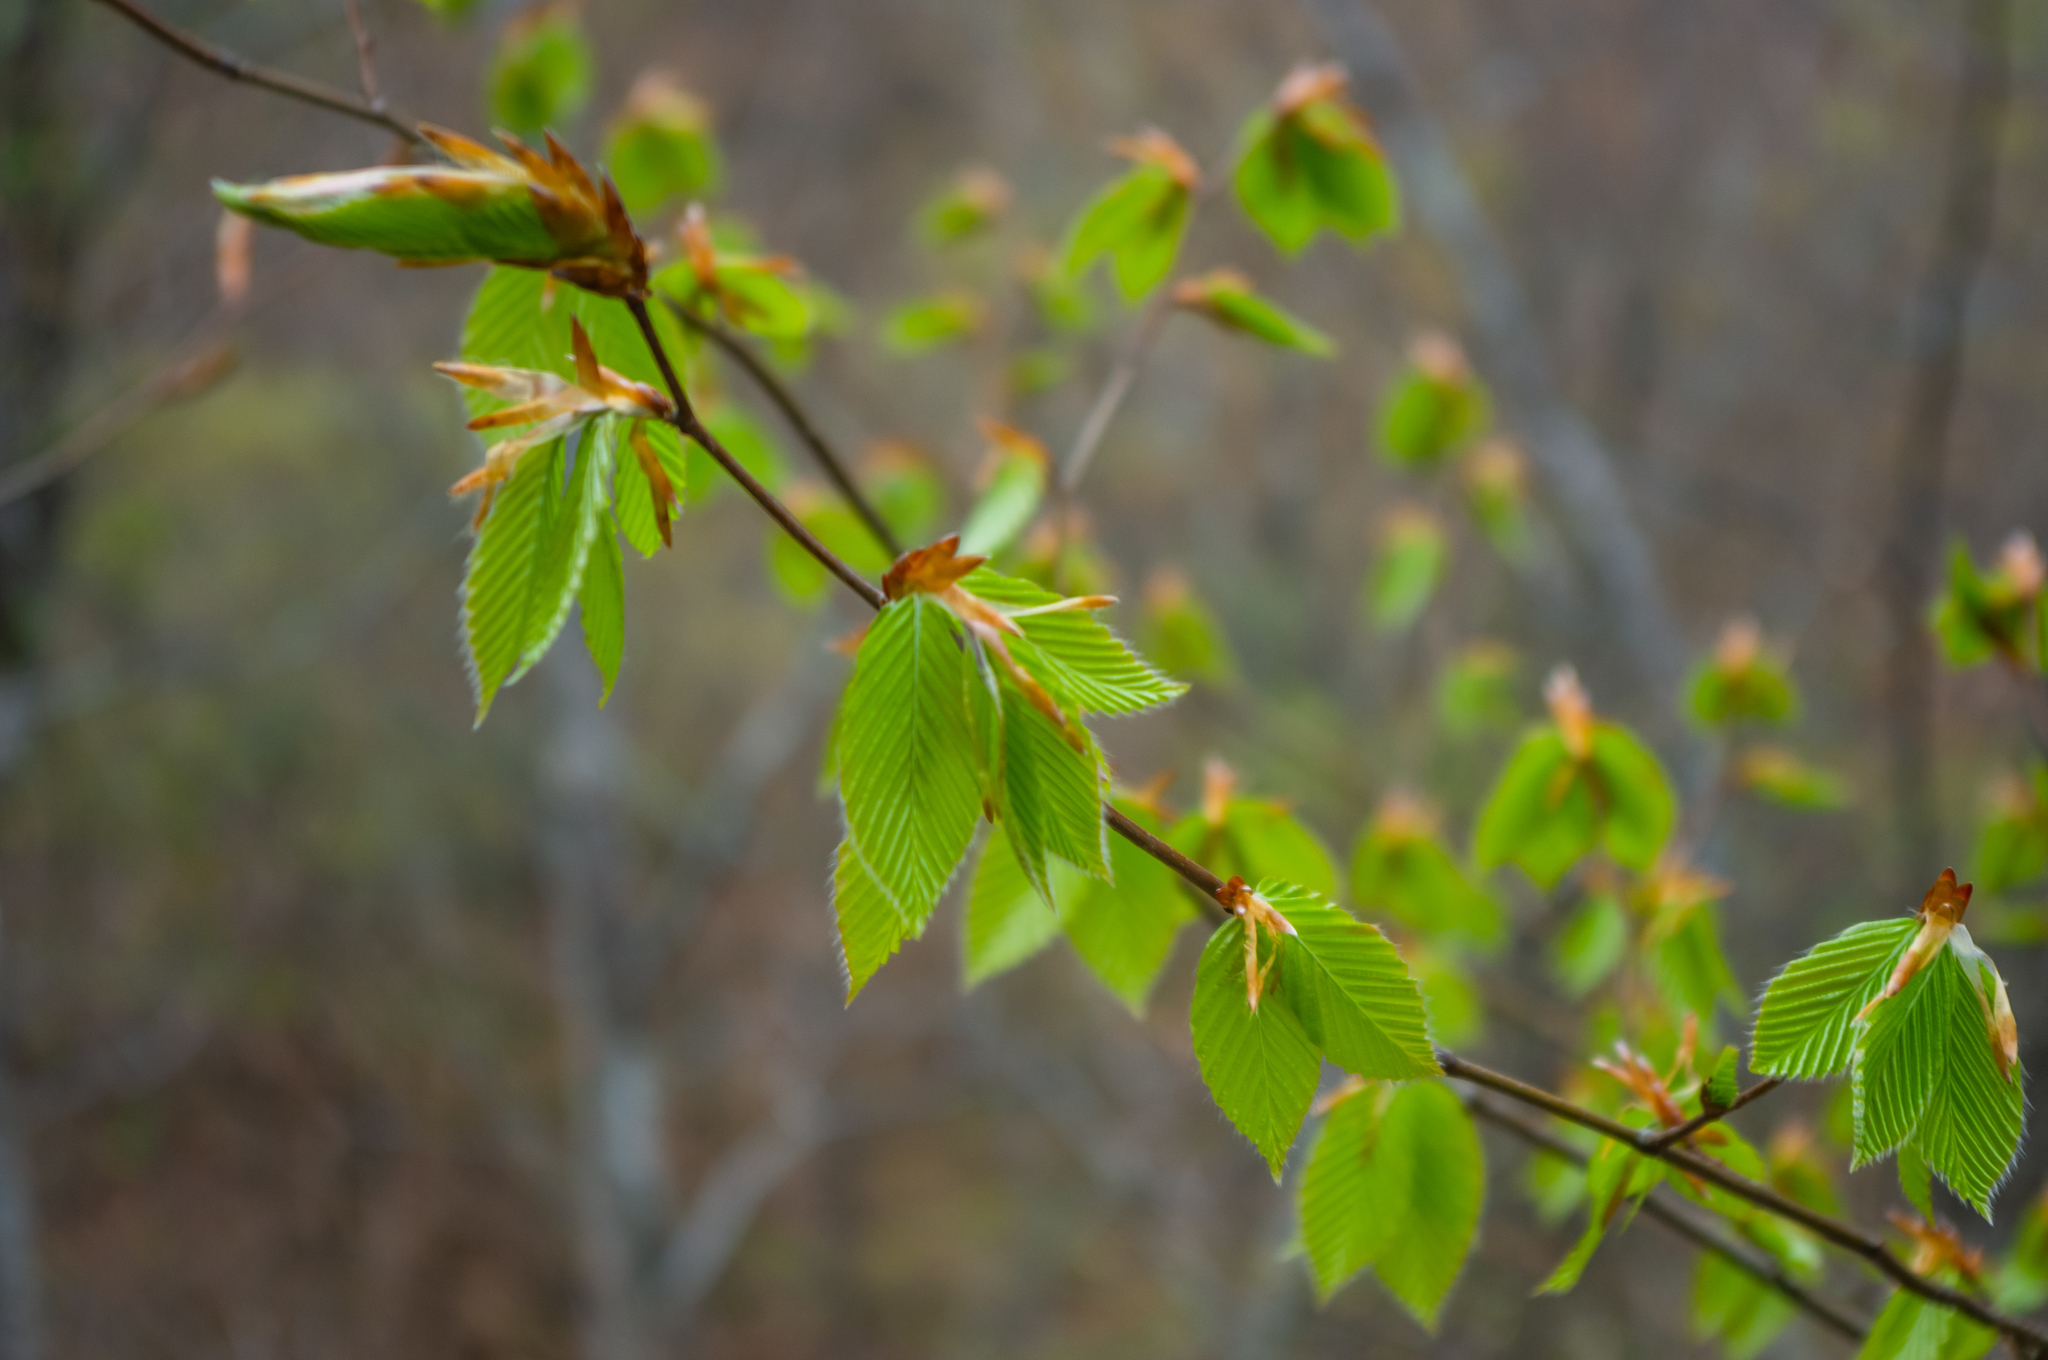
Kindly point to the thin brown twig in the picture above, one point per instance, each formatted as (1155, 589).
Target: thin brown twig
(1684, 1224)
(1681, 1132)
(793, 412)
(1123, 374)
(366, 49)
(277, 82)
(1833, 1231)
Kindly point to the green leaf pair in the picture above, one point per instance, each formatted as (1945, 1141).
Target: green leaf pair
(659, 148)
(542, 71)
(1433, 407)
(1924, 1066)
(1400, 867)
(1741, 681)
(1394, 1185)
(1336, 989)
(1413, 554)
(1999, 613)
(936, 728)
(1137, 220)
(1308, 162)
(1551, 807)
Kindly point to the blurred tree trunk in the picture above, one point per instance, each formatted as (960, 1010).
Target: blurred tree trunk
(39, 253)
(1935, 339)
(619, 1174)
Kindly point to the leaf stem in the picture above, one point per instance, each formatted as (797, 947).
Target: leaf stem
(2027, 1339)
(235, 68)
(793, 412)
(685, 420)
(1684, 1224)
(1673, 1136)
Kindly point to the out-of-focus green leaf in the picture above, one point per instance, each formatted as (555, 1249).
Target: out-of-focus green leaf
(1413, 553)
(1476, 692)
(1308, 161)
(1137, 220)
(1999, 613)
(1228, 298)
(800, 576)
(1006, 921)
(1457, 1015)
(1124, 929)
(1542, 814)
(740, 435)
(1433, 407)
(926, 323)
(972, 202)
(1742, 681)
(1013, 481)
(1496, 482)
(1182, 636)
(542, 71)
(1590, 945)
(1776, 774)
(2012, 846)
(1257, 840)
(659, 148)
(1616, 1180)
(904, 490)
(1732, 1306)
(1399, 867)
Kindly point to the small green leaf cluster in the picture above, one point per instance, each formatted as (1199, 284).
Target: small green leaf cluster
(2001, 613)
(965, 704)
(1308, 162)
(541, 73)
(659, 146)
(1137, 220)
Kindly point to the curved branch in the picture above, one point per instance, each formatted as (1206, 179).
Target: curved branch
(235, 68)
(799, 419)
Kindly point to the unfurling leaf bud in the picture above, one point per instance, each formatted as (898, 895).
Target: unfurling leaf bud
(518, 209)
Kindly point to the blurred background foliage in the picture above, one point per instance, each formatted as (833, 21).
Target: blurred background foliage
(292, 956)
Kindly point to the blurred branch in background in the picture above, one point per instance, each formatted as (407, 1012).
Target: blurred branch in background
(1935, 343)
(1585, 488)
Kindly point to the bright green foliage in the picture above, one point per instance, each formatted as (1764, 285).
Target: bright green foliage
(1550, 808)
(870, 926)
(1457, 1016)
(1227, 298)
(1013, 485)
(1124, 931)
(1916, 1179)
(1911, 1328)
(1805, 1022)
(1722, 1082)
(1616, 1180)
(1731, 1306)
(602, 605)
(2012, 847)
(1051, 795)
(928, 322)
(908, 494)
(1741, 682)
(1476, 692)
(765, 295)
(1433, 408)
(1924, 1068)
(1404, 870)
(1350, 989)
(1182, 636)
(1496, 481)
(1305, 165)
(541, 73)
(1260, 1066)
(907, 769)
(431, 214)
(1412, 557)
(1777, 775)
(1257, 840)
(1075, 656)
(1007, 923)
(499, 583)
(1395, 1183)
(1999, 613)
(1590, 945)
(1138, 221)
(660, 146)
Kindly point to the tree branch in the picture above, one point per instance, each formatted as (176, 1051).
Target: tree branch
(366, 50)
(793, 412)
(277, 82)
(1673, 1136)
(1684, 1224)
(2026, 1338)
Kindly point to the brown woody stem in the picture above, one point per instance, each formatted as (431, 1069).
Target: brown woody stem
(277, 82)
(793, 412)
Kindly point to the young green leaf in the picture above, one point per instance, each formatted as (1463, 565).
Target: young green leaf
(1307, 162)
(1910, 1328)
(498, 583)
(574, 524)
(1137, 220)
(1637, 806)
(1124, 930)
(1616, 1180)
(1476, 692)
(1495, 476)
(1074, 655)
(1256, 840)
(972, 202)
(1723, 1082)
(1775, 774)
(1401, 868)
(660, 147)
(870, 927)
(926, 323)
(1260, 1066)
(1181, 635)
(1006, 921)
(1013, 480)
(1590, 945)
(1227, 298)
(1413, 553)
(1398, 1190)
(1742, 681)
(1541, 814)
(1925, 1069)
(541, 73)
(1684, 941)
(1734, 1307)
(908, 770)
(1350, 989)
(1051, 795)
(2002, 612)
(2012, 847)
(1433, 407)
(602, 603)
(1805, 1024)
